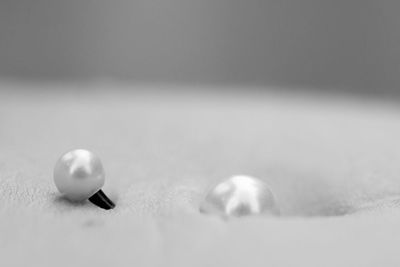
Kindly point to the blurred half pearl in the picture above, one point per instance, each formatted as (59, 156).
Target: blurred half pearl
(79, 174)
(240, 196)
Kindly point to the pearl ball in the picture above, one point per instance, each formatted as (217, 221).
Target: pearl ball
(240, 196)
(79, 174)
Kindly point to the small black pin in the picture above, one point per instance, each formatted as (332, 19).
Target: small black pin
(101, 200)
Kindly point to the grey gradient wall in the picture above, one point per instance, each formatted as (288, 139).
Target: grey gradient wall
(324, 43)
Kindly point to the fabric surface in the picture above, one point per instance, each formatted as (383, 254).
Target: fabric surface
(331, 161)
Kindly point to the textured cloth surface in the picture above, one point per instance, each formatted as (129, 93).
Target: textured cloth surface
(332, 162)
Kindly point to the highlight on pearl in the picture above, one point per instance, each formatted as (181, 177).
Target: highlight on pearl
(240, 196)
(79, 175)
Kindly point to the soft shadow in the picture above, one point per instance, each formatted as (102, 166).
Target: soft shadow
(63, 201)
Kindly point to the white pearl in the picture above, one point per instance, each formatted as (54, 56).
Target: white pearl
(79, 174)
(240, 196)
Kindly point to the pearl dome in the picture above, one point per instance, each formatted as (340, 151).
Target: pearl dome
(240, 196)
(79, 174)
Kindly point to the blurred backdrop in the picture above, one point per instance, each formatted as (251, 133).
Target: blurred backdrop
(327, 44)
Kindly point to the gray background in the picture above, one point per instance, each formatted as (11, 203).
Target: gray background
(350, 45)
